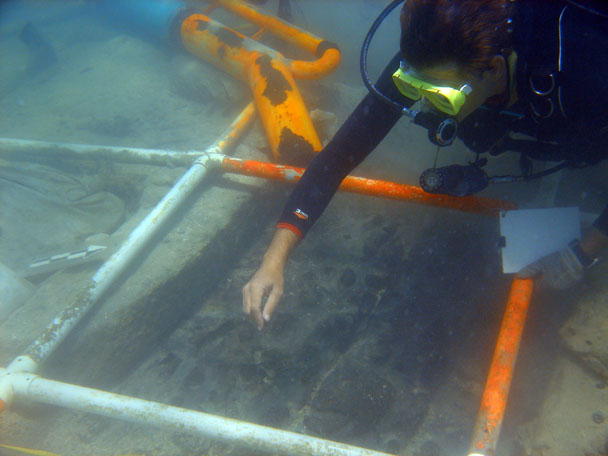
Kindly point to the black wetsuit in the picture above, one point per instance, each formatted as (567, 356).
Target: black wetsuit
(569, 123)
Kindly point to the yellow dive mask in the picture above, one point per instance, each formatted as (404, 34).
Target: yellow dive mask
(445, 98)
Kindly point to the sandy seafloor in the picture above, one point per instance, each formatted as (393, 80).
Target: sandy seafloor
(390, 311)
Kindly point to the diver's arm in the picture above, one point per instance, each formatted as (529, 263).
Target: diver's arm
(364, 129)
(356, 139)
(268, 279)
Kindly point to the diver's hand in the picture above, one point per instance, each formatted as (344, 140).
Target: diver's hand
(558, 270)
(267, 282)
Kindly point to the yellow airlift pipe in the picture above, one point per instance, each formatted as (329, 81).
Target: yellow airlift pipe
(285, 118)
(327, 53)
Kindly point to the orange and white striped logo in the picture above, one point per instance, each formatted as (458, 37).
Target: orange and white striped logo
(301, 214)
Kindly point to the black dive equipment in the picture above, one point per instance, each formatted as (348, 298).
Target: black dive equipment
(463, 180)
(442, 129)
(455, 180)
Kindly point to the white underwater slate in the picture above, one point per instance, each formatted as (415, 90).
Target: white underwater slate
(530, 234)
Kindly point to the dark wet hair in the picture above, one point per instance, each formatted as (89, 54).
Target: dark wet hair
(465, 32)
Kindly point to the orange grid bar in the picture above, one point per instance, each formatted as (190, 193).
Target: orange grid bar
(371, 187)
(494, 399)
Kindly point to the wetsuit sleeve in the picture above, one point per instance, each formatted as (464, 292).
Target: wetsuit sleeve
(364, 129)
(601, 223)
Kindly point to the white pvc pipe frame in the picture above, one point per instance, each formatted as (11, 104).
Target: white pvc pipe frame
(36, 388)
(117, 264)
(25, 148)
(19, 379)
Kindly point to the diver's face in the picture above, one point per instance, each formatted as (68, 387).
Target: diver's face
(491, 82)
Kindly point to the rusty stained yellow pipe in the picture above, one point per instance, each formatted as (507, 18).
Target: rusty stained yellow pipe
(327, 53)
(221, 46)
(278, 27)
(288, 126)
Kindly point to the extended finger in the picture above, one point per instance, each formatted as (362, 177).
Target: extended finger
(256, 293)
(272, 302)
(246, 298)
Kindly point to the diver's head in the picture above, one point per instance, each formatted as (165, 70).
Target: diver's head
(457, 44)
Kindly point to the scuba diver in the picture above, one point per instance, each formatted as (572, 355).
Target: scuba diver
(487, 69)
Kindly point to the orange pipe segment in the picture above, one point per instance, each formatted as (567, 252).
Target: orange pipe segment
(262, 169)
(494, 399)
(415, 194)
(372, 187)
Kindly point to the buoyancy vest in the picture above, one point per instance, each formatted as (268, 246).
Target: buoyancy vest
(562, 88)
